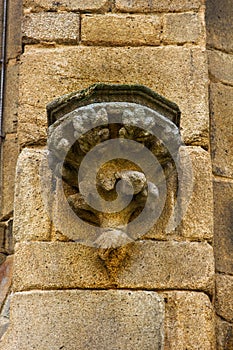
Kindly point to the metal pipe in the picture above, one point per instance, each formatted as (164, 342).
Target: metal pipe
(3, 67)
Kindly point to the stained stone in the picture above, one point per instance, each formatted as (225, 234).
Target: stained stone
(147, 265)
(85, 320)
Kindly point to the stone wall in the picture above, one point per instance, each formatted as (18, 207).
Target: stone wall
(167, 279)
(220, 56)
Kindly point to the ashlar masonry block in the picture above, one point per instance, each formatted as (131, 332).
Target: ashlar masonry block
(51, 26)
(66, 5)
(121, 29)
(85, 320)
(154, 5)
(197, 222)
(224, 292)
(148, 265)
(189, 321)
(10, 152)
(223, 229)
(177, 73)
(221, 102)
(181, 28)
(31, 217)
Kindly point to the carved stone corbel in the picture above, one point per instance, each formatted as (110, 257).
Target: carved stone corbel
(114, 145)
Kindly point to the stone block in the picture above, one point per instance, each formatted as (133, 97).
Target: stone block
(32, 130)
(9, 158)
(6, 272)
(66, 5)
(179, 28)
(197, 216)
(148, 265)
(160, 229)
(51, 26)
(14, 37)
(121, 29)
(223, 228)
(224, 292)
(31, 218)
(221, 104)
(11, 97)
(219, 24)
(158, 6)
(178, 73)
(85, 320)
(221, 66)
(224, 334)
(197, 222)
(189, 321)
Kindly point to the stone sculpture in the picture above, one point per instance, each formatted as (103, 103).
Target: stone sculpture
(113, 146)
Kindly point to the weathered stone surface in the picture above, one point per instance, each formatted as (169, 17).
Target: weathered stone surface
(6, 271)
(6, 238)
(51, 26)
(224, 292)
(221, 129)
(197, 222)
(224, 335)
(160, 228)
(153, 5)
(121, 29)
(189, 321)
(149, 265)
(223, 226)
(31, 219)
(181, 28)
(221, 66)
(69, 5)
(9, 158)
(219, 24)
(178, 73)
(85, 320)
(14, 42)
(11, 97)
(197, 218)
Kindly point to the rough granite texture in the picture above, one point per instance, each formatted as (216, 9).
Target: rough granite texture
(219, 24)
(60, 28)
(224, 292)
(85, 320)
(223, 226)
(11, 97)
(10, 151)
(179, 74)
(147, 265)
(197, 222)
(220, 66)
(121, 29)
(224, 334)
(65, 5)
(154, 5)
(221, 102)
(181, 28)
(189, 321)
(31, 219)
